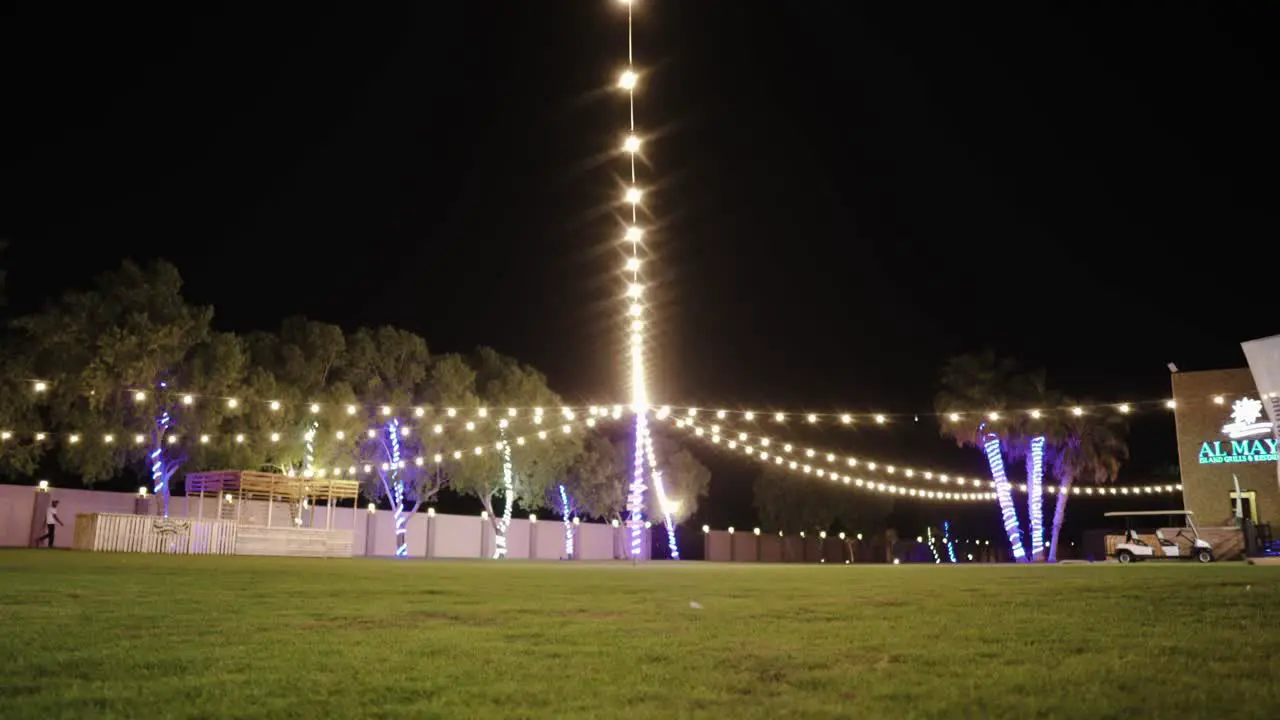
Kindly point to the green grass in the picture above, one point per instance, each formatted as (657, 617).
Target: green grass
(101, 636)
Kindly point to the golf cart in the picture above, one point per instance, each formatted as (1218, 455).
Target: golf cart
(1161, 544)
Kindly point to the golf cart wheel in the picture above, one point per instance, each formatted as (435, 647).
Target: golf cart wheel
(1204, 556)
(1125, 557)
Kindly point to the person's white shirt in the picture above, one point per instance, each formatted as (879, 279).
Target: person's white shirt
(51, 515)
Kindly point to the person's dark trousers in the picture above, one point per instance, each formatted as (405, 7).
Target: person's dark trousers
(47, 535)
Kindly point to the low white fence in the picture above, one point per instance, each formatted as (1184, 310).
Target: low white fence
(111, 532)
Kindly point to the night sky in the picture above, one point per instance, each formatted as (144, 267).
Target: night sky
(843, 196)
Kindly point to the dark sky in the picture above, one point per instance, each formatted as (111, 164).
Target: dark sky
(843, 195)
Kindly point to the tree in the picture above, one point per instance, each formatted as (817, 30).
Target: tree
(592, 486)
(596, 480)
(124, 365)
(685, 479)
(522, 470)
(304, 359)
(971, 386)
(19, 420)
(387, 368)
(798, 503)
(1090, 449)
(1028, 435)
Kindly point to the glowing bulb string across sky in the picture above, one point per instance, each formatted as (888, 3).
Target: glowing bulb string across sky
(275, 436)
(766, 449)
(443, 456)
(861, 483)
(644, 471)
(980, 489)
(887, 419)
(144, 398)
(772, 447)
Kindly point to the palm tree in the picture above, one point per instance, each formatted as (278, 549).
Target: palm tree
(975, 391)
(1031, 433)
(1090, 449)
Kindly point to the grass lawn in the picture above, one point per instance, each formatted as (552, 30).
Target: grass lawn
(97, 635)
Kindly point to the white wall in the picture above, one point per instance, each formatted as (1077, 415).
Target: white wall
(438, 536)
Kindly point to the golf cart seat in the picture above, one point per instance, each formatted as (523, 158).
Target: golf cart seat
(1132, 537)
(1165, 542)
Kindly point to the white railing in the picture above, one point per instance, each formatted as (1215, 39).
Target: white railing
(111, 532)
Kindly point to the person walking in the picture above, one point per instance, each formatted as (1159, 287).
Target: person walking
(51, 521)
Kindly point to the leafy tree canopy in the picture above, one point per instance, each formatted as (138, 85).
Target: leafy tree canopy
(794, 503)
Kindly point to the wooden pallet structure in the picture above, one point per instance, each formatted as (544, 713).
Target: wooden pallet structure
(237, 512)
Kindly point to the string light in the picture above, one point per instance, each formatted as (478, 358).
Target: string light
(160, 397)
(763, 452)
(795, 467)
(644, 469)
(78, 439)
(774, 451)
(848, 418)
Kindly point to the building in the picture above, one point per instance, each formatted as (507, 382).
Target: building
(1224, 436)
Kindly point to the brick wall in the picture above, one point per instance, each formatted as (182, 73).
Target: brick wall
(1207, 487)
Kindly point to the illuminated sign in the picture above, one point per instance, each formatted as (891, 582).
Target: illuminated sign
(1238, 451)
(1245, 416)
(1245, 430)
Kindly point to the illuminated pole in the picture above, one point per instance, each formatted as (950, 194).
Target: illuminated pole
(159, 479)
(1004, 493)
(568, 524)
(946, 540)
(1035, 495)
(644, 468)
(397, 484)
(508, 492)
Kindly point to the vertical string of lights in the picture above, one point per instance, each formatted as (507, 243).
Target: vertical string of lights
(508, 493)
(1035, 494)
(568, 524)
(661, 492)
(159, 484)
(946, 540)
(397, 484)
(933, 546)
(642, 459)
(309, 455)
(1004, 493)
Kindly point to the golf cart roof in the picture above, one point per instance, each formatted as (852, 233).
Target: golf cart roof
(1149, 512)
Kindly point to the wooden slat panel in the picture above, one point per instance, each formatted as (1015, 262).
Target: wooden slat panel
(110, 532)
